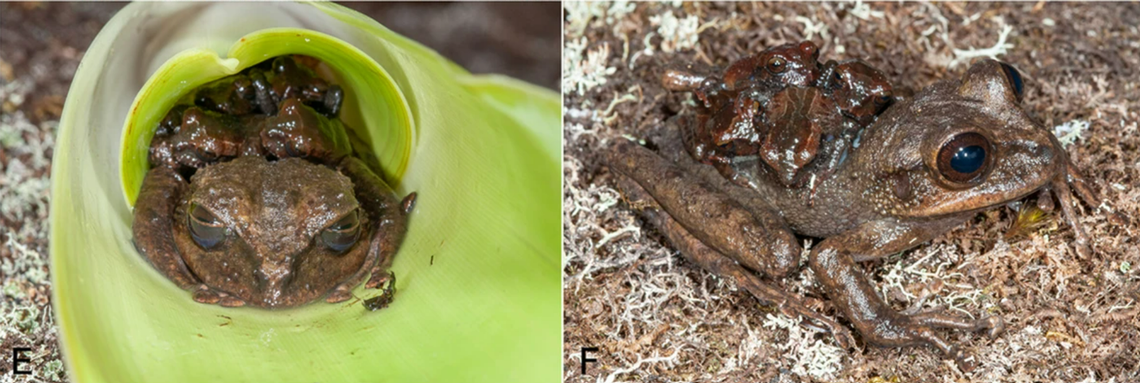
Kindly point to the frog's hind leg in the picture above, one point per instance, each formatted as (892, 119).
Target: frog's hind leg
(389, 218)
(714, 262)
(753, 238)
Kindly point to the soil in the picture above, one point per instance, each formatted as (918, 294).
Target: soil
(657, 318)
(41, 44)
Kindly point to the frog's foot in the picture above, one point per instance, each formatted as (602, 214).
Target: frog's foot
(263, 94)
(205, 294)
(991, 326)
(876, 321)
(332, 100)
(408, 203)
(721, 265)
(902, 331)
(379, 277)
(1065, 196)
(382, 300)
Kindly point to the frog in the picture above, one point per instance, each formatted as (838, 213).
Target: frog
(244, 207)
(730, 103)
(798, 115)
(261, 88)
(928, 164)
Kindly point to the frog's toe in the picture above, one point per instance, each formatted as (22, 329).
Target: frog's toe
(379, 277)
(992, 326)
(965, 360)
(230, 301)
(207, 296)
(340, 294)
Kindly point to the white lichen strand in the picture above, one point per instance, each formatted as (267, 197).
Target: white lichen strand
(804, 352)
(998, 49)
(676, 34)
(579, 14)
(863, 11)
(1070, 131)
(811, 27)
(582, 74)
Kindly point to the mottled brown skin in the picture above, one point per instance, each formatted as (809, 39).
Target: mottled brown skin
(796, 120)
(730, 104)
(894, 191)
(800, 117)
(859, 90)
(276, 185)
(261, 88)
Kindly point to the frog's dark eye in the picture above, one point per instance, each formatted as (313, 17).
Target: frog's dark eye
(205, 228)
(342, 234)
(883, 100)
(965, 158)
(777, 65)
(1014, 79)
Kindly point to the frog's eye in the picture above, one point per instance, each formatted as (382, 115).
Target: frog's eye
(964, 158)
(836, 79)
(1014, 79)
(777, 65)
(342, 234)
(205, 227)
(883, 100)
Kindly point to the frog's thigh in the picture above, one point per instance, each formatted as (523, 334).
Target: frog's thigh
(152, 226)
(714, 262)
(388, 219)
(718, 220)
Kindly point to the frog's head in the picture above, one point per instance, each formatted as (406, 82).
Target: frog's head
(958, 146)
(790, 64)
(273, 234)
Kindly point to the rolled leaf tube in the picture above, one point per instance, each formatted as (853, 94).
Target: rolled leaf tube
(479, 280)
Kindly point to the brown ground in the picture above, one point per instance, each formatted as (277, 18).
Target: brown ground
(40, 48)
(657, 318)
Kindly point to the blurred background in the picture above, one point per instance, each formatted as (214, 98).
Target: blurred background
(41, 45)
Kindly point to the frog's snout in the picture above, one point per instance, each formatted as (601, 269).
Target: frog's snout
(274, 275)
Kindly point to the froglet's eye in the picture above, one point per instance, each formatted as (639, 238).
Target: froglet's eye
(205, 228)
(965, 158)
(342, 234)
(777, 65)
(1014, 79)
(883, 100)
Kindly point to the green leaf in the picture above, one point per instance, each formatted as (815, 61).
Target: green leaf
(479, 282)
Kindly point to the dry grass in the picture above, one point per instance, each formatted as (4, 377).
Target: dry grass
(657, 318)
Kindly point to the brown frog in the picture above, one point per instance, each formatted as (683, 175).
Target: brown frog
(264, 209)
(730, 104)
(262, 87)
(928, 164)
(782, 105)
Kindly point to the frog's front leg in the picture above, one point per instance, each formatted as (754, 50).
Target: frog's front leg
(719, 264)
(152, 226)
(834, 264)
(754, 239)
(388, 219)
